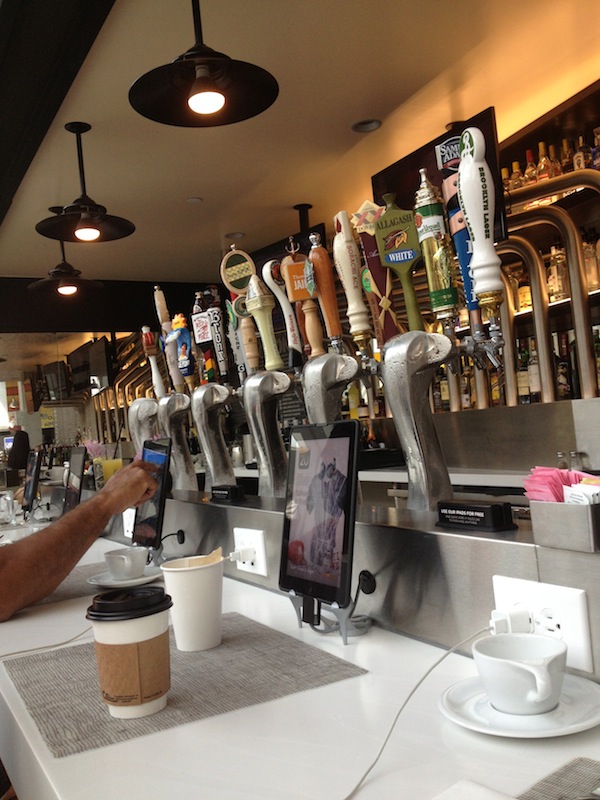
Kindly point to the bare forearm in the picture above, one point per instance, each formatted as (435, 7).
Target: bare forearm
(33, 567)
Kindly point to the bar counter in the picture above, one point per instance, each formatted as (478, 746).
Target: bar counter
(309, 745)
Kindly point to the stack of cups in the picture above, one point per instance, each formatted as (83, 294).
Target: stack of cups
(196, 585)
(132, 649)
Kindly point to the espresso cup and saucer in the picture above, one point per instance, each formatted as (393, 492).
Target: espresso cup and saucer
(126, 566)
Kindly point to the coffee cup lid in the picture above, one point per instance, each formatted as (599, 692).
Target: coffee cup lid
(122, 604)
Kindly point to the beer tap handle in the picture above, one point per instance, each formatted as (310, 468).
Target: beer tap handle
(476, 194)
(348, 264)
(260, 303)
(271, 273)
(302, 328)
(293, 273)
(236, 270)
(247, 334)
(322, 269)
(151, 352)
(171, 348)
(314, 331)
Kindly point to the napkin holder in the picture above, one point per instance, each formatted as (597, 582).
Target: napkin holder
(566, 526)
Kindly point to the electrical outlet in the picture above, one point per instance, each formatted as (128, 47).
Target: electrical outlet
(255, 539)
(556, 611)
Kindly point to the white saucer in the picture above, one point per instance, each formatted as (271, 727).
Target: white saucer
(106, 580)
(467, 704)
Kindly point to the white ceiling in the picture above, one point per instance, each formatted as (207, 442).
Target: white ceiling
(415, 66)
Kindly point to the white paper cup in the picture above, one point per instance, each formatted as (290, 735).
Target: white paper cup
(131, 633)
(126, 563)
(522, 673)
(195, 584)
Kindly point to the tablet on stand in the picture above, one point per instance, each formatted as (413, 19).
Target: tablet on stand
(318, 527)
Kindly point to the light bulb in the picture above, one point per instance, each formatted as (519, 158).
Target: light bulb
(206, 101)
(85, 230)
(204, 97)
(66, 289)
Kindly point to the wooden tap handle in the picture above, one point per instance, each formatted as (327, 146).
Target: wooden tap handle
(314, 331)
(326, 289)
(302, 326)
(249, 342)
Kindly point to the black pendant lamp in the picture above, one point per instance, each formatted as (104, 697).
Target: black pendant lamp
(222, 90)
(83, 220)
(64, 278)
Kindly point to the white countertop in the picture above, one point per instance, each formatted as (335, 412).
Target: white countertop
(311, 745)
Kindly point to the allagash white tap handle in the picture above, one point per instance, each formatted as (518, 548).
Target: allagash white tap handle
(476, 194)
(348, 264)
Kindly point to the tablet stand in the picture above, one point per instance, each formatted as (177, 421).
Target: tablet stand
(347, 626)
(157, 552)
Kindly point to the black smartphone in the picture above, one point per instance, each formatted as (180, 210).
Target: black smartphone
(147, 526)
(75, 479)
(318, 528)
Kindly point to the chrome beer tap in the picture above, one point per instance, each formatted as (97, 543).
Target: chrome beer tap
(143, 421)
(208, 402)
(172, 417)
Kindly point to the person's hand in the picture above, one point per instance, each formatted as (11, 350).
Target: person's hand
(130, 486)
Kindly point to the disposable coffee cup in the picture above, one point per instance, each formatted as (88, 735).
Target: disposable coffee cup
(131, 633)
(126, 563)
(522, 673)
(195, 584)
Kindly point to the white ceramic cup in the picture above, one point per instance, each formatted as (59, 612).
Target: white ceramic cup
(126, 563)
(522, 673)
(195, 584)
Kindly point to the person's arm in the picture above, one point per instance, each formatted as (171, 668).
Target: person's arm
(32, 568)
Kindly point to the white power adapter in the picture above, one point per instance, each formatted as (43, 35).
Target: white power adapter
(517, 619)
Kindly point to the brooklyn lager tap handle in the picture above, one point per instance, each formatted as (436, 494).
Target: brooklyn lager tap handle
(476, 194)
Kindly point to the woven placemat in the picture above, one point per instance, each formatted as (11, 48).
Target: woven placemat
(575, 779)
(254, 664)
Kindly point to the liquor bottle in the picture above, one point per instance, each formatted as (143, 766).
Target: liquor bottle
(596, 153)
(590, 260)
(524, 291)
(513, 282)
(530, 174)
(575, 384)
(566, 156)
(543, 169)
(583, 155)
(533, 374)
(505, 175)
(562, 462)
(496, 377)
(523, 377)
(465, 384)
(557, 275)
(516, 179)
(597, 353)
(555, 166)
(444, 390)
(563, 369)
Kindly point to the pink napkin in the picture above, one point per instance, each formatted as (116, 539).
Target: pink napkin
(546, 483)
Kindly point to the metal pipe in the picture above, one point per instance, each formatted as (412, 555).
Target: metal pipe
(580, 309)
(539, 296)
(507, 320)
(582, 178)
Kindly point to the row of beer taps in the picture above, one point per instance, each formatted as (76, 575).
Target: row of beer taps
(297, 283)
